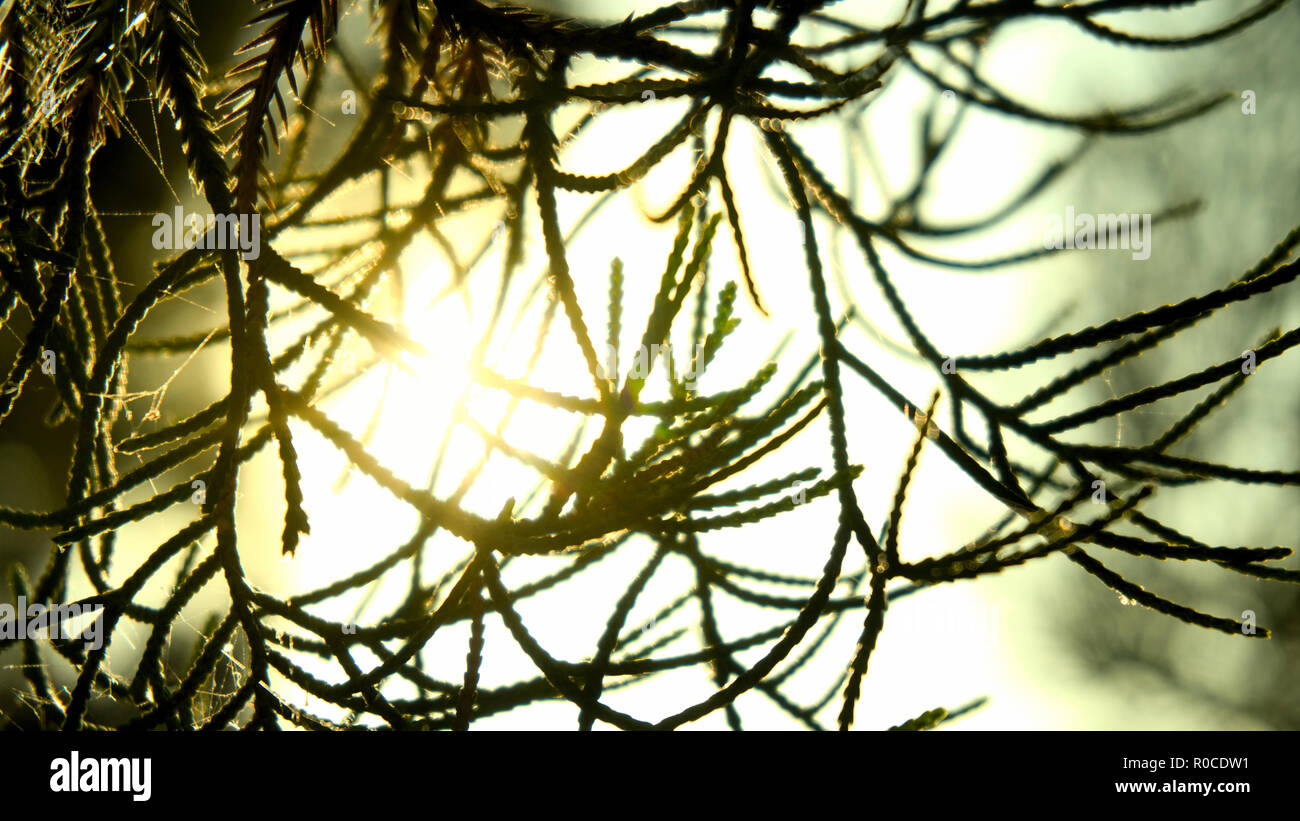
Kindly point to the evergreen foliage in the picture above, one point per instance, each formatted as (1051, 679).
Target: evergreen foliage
(485, 82)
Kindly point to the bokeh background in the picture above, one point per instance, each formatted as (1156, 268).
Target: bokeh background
(1048, 646)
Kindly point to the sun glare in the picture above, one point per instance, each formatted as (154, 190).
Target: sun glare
(442, 421)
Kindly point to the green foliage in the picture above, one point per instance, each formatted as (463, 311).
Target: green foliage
(471, 72)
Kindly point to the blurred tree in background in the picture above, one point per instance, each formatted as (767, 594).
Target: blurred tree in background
(149, 363)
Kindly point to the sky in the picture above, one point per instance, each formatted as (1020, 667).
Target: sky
(999, 637)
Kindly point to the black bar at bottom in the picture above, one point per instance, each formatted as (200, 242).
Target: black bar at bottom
(301, 771)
